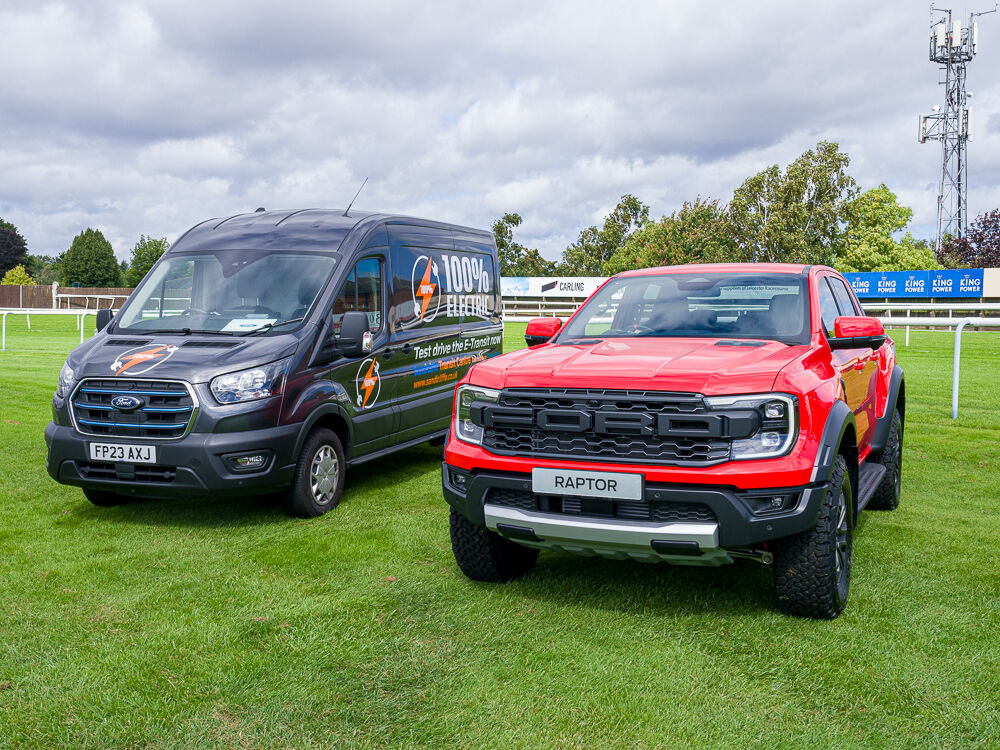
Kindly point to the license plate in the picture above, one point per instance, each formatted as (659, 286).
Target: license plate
(130, 454)
(609, 484)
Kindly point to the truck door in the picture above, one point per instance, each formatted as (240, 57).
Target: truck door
(370, 393)
(857, 367)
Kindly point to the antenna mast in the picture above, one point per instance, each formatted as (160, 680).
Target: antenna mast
(952, 46)
(355, 196)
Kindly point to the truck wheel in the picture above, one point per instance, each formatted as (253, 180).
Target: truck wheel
(105, 498)
(886, 496)
(812, 570)
(319, 476)
(484, 555)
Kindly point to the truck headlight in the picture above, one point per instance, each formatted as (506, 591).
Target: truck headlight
(249, 385)
(465, 396)
(66, 379)
(778, 424)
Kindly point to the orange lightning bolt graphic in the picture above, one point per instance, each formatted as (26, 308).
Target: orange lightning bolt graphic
(139, 357)
(368, 383)
(426, 289)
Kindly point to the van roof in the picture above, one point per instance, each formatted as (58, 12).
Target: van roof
(296, 229)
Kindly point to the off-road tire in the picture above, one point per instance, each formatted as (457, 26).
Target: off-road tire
(106, 498)
(318, 481)
(484, 555)
(807, 578)
(886, 496)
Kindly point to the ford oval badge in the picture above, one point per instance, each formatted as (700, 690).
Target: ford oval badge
(126, 403)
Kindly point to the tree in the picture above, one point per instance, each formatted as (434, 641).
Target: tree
(16, 276)
(515, 258)
(13, 249)
(980, 248)
(595, 247)
(145, 253)
(872, 219)
(697, 233)
(795, 215)
(90, 261)
(44, 269)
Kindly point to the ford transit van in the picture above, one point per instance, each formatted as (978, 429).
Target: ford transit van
(268, 352)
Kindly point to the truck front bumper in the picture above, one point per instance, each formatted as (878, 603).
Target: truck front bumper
(688, 524)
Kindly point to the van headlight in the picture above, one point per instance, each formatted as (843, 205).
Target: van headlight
(777, 423)
(249, 385)
(465, 395)
(66, 379)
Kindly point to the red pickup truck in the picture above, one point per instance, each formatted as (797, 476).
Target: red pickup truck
(693, 415)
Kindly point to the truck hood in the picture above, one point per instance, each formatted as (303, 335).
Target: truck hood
(708, 366)
(196, 359)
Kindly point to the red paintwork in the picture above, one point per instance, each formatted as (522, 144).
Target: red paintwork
(856, 325)
(543, 327)
(812, 372)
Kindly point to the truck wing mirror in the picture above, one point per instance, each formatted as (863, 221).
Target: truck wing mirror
(541, 330)
(355, 338)
(857, 332)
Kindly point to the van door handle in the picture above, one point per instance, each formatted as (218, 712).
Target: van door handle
(404, 350)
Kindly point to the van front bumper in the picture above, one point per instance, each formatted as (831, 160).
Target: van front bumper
(197, 464)
(691, 524)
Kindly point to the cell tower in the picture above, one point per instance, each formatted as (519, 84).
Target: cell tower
(952, 46)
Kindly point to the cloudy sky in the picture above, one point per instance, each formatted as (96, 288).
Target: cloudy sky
(147, 117)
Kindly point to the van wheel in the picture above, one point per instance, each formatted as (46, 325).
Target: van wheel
(319, 476)
(484, 555)
(886, 496)
(105, 498)
(812, 570)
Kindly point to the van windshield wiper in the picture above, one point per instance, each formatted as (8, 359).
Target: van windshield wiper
(269, 326)
(185, 331)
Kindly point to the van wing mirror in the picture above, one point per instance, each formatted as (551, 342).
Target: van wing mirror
(103, 318)
(355, 339)
(857, 332)
(541, 330)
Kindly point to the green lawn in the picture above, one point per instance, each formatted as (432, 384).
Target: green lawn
(199, 624)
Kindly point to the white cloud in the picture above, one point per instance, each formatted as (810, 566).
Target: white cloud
(149, 117)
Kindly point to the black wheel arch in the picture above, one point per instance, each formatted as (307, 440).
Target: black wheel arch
(895, 399)
(331, 416)
(840, 438)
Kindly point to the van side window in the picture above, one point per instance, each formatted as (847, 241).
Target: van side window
(827, 307)
(361, 291)
(422, 278)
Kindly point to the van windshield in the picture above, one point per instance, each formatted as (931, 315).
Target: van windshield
(739, 305)
(227, 292)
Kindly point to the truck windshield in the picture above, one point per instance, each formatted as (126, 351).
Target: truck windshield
(227, 292)
(738, 305)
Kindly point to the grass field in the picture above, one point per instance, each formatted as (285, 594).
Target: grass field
(199, 624)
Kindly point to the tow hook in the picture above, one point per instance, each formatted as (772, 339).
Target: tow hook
(760, 555)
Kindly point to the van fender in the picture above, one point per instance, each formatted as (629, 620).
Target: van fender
(884, 423)
(324, 410)
(840, 419)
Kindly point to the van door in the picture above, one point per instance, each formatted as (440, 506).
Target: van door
(370, 394)
(433, 286)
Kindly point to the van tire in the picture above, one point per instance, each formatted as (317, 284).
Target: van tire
(484, 555)
(105, 498)
(318, 481)
(812, 570)
(886, 495)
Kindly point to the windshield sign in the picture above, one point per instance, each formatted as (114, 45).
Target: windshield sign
(227, 292)
(694, 305)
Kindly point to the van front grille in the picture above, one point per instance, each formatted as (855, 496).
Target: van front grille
(165, 408)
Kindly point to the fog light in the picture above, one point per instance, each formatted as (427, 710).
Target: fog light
(774, 410)
(458, 481)
(777, 502)
(246, 462)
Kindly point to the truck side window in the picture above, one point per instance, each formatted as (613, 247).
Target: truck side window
(827, 307)
(844, 301)
(361, 291)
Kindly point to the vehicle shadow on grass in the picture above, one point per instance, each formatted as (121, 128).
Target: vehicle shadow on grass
(258, 510)
(744, 588)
